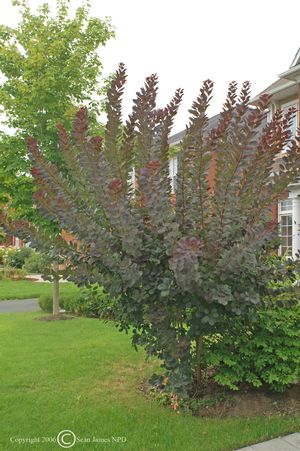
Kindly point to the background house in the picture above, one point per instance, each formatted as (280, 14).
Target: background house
(9, 240)
(175, 141)
(13, 241)
(285, 93)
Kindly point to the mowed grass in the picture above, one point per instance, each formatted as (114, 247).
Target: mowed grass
(25, 289)
(83, 375)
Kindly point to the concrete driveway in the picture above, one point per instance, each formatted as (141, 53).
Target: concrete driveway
(24, 305)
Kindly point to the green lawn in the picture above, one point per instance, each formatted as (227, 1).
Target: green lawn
(25, 289)
(82, 375)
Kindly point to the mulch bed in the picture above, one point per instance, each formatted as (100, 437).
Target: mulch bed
(251, 402)
(247, 402)
(54, 318)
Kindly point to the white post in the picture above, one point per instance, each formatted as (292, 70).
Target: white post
(296, 226)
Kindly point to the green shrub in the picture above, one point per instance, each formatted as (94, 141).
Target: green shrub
(3, 253)
(2, 235)
(37, 263)
(16, 257)
(12, 273)
(265, 352)
(65, 300)
(92, 302)
(45, 302)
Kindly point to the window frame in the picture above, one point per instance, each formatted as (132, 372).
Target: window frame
(173, 170)
(285, 213)
(285, 106)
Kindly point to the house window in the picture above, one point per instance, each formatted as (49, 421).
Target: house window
(131, 179)
(285, 107)
(173, 168)
(286, 205)
(286, 227)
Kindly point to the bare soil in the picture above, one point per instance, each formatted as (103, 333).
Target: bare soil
(251, 402)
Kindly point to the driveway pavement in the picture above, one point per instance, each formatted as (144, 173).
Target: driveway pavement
(24, 305)
(288, 443)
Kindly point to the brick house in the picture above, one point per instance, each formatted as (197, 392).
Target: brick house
(13, 241)
(10, 240)
(285, 94)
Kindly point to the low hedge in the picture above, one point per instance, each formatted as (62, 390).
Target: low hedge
(65, 300)
(91, 302)
(265, 352)
(37, 263)
(12, 273)
(16, 257)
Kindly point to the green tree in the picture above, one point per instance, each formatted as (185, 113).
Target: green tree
(178, 268)
(50, 66)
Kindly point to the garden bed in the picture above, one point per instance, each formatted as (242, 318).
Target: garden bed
(54, 318)
(221, 403)
(251, 403)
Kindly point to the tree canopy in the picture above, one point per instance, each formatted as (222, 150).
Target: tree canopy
(50, 66)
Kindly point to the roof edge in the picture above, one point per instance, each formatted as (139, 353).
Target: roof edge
(296, 59)
(288, 84)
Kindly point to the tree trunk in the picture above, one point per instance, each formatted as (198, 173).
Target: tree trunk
(55, 287)
(198, 366)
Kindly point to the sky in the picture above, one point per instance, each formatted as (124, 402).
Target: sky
(188, 41)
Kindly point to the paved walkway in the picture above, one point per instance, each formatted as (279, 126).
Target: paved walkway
(288, 443)
(24, 305)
